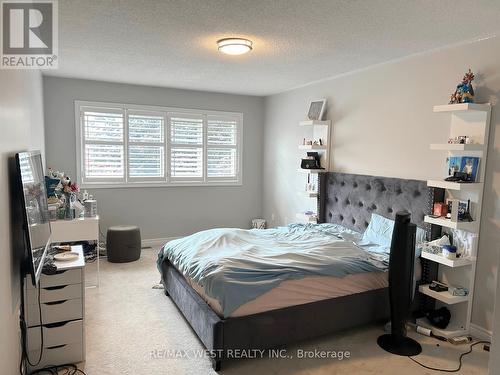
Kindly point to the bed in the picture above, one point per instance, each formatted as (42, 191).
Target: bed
(286, 312)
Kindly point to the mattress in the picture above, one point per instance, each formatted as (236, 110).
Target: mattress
(237, 267)
(301, 291)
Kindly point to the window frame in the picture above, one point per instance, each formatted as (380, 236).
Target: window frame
(133, 111)
(208, 146)
(167, 180)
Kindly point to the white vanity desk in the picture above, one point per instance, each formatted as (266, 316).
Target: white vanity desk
(80, 229)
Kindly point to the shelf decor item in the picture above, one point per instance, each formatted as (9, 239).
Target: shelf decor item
(316, 109)
(465, 164)
(464, 92)
(64, 193)
(312, 161)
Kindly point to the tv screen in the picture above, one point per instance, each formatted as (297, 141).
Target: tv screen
(33, 198)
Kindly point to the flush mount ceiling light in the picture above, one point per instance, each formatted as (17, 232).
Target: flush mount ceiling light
(234, 46)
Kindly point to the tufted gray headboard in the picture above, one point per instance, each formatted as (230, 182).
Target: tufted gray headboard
(350, 199)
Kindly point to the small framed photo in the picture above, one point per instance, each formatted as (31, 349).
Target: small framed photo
(316, 109)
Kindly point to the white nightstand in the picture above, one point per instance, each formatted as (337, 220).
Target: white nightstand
(80, 229)
(62, 300)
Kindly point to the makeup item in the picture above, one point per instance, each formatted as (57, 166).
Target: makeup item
(436, 286)
(440, 209)
(90, 208)
(449, 251)
(52, 213)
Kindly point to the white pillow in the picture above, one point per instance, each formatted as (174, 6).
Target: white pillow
(380, 229)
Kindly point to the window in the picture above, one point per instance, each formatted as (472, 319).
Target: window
(222, 147)
(129, 145)
(186, 147)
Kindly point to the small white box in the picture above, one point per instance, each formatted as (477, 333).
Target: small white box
(90, 208)
(453, 203)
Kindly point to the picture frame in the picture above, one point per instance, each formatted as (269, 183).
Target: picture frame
(316, 109)
(466, 164)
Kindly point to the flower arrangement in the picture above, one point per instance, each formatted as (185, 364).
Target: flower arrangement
(69, 187)
(65, 191)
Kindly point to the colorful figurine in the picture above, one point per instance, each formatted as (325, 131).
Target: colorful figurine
(464, 92)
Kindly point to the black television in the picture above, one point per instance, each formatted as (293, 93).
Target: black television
(31, 224)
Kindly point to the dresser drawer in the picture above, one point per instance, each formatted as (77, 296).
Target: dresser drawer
(54, 312)
(56, 334)
(54, 293)
(58, 355)
(64, 277)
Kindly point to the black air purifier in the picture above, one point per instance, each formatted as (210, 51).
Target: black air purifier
(401, 264)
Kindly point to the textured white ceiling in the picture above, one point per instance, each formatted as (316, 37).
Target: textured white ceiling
(172, 43)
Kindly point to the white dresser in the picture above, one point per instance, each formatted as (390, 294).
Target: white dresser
(62, 298)
(79, 229)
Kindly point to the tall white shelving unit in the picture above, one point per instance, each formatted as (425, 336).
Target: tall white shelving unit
(472, 120)
(314, 130)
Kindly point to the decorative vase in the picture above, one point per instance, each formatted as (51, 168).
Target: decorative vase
(67, 206)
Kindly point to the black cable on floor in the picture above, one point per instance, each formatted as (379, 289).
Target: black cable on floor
(459, 359)
(69, 369)
(25, 359)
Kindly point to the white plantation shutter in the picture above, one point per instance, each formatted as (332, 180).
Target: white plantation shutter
(146, 162)
(103, 161)
(130, 145)
(186, 162)
(102, 126)
(146, 146)
(222, 147)
(103, 145)
(186, 147)
(222, 131)
(144, 128)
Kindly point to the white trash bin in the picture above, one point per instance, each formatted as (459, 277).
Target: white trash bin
(258, 224)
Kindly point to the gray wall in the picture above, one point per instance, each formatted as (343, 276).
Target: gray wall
(21, 126)
(494, 364)
(160, 211)
(382, 125)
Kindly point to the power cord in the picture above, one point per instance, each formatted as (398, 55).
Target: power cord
(69, 369)
(25, 359)
(459, 359)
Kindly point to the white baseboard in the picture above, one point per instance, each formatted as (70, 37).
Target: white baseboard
(480, 332)
(154, 242)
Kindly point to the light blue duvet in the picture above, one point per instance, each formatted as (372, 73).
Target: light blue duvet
(236, 266)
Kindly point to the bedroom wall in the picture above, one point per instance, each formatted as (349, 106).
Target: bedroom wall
(382, 125)
(160, 211)
(495, 348)
(21, 126)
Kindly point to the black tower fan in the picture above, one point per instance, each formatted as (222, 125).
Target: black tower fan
(401, 264)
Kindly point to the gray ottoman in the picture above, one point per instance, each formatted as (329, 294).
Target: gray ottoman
(123, 243)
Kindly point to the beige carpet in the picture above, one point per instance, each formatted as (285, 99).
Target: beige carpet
(130, 328)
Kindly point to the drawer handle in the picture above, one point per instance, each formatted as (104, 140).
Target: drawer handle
(56, 346)
(55, 287)
(54, 325)
(55, 302)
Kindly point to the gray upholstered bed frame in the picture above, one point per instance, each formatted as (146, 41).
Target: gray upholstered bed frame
(345, 199)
